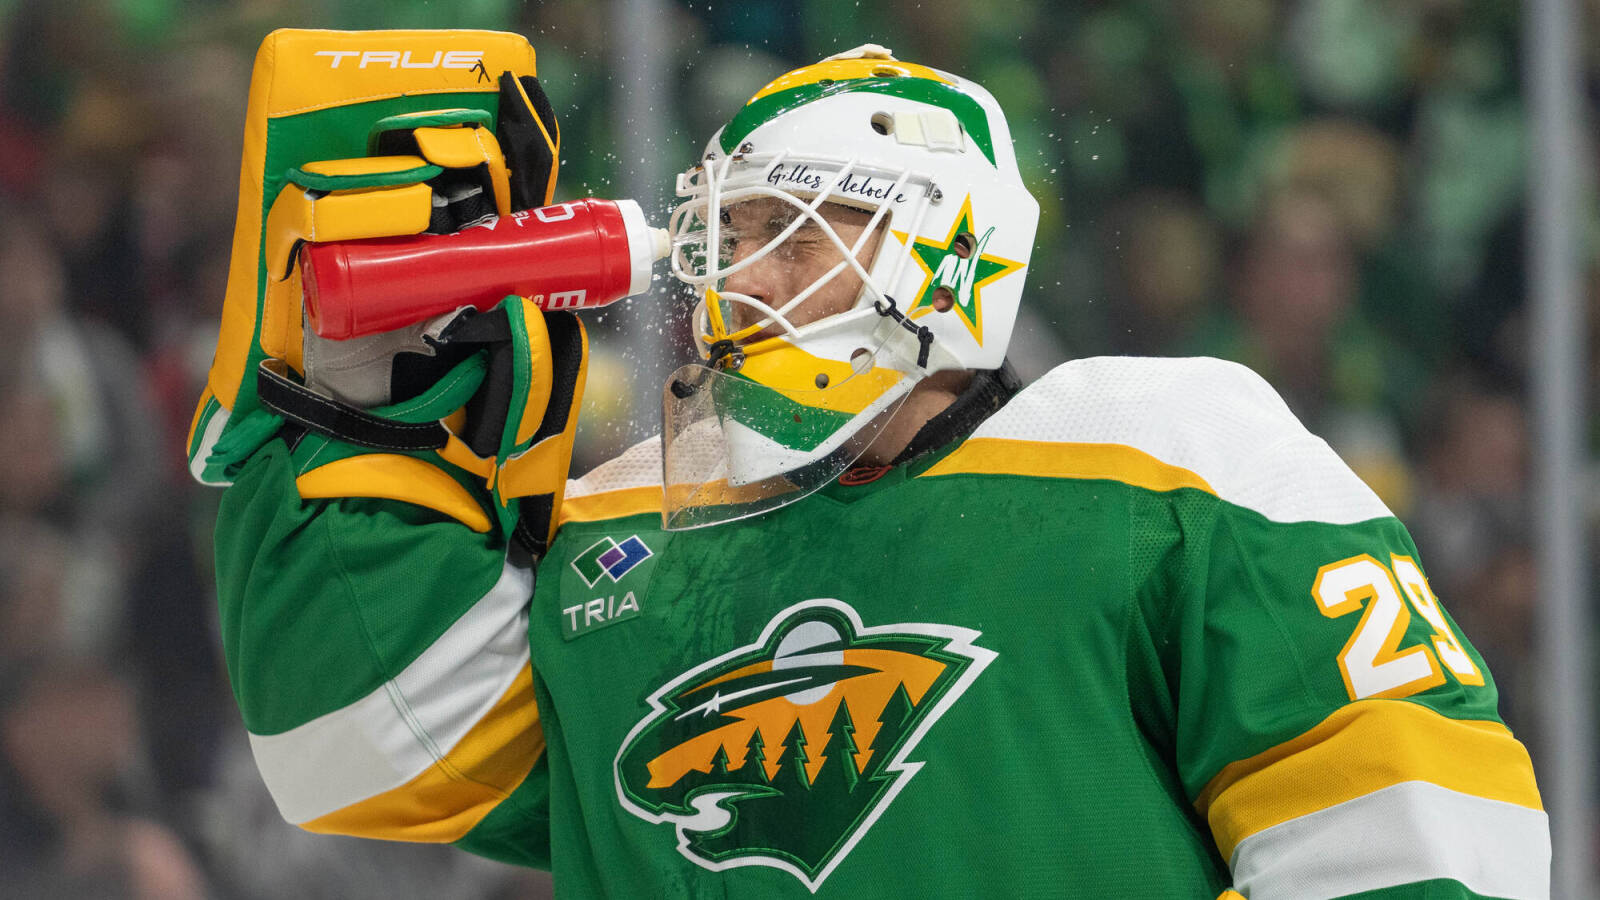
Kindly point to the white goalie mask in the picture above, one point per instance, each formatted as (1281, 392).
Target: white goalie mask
(859, 225)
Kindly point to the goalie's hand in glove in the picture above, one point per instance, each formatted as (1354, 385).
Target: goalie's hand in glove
(413, 413)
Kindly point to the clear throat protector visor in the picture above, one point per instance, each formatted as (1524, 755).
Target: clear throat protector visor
(805, 360)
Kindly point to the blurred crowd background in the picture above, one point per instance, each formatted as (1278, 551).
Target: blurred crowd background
(1331, 191)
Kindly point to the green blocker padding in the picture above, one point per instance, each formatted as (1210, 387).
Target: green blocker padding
(521, 373)
(323, 601)
(336, 133)
(408, 121)
(317, 182)
(1252, 656)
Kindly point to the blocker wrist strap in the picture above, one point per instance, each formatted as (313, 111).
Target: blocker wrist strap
(487, 409)
(340, 421)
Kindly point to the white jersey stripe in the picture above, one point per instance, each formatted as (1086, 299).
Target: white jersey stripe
(394, 733)
(1409, 832)
(1216, 419)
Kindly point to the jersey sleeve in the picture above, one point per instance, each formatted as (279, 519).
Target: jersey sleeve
(1335, 731)
(378, 652)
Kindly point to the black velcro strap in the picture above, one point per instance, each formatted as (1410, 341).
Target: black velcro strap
(529, 138)
(474, 327)
(566, 360)
(533, 522)
(340, 421)
(489, 408)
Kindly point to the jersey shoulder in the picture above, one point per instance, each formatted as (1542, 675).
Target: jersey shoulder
(1168, 423)
(627, 484)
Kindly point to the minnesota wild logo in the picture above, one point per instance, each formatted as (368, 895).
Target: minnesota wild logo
(959, 264)
(784, 752)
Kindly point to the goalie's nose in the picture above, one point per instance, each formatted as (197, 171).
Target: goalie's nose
(760, 280)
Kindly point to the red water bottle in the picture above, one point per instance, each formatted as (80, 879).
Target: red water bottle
(575, 255)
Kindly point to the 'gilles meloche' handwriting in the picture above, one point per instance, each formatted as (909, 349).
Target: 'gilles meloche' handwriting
(805, 178)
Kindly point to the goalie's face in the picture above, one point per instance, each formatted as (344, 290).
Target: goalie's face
(793, 388)
(808, 257)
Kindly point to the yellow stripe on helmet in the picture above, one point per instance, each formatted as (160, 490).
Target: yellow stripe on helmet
(792, 372)
(847, 69)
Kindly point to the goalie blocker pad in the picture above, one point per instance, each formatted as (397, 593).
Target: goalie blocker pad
(329, 95)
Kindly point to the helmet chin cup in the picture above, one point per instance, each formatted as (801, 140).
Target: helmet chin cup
(734, 447)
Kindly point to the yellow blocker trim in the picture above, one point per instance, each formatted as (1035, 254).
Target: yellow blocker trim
(394, 477)
(342, 216)
(1361, 748)
(543, 467)
(846, 69)
(462, 147)
(336, 216)
(199, 410)
(541, 374)
(456, 452)
(454, 794)
(1112, 462)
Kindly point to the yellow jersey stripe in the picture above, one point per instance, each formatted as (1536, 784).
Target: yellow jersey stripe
(1049, 459)
(612, 504)
(454, 794)
(1361, 748)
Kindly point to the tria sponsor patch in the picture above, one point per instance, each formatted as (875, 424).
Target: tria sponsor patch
(607, 558)
(785, 752)
(581, 618)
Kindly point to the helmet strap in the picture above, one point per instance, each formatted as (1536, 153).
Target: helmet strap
(990, 389)
(924, 333)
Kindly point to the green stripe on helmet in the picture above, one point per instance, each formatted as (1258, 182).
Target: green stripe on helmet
(759, 112)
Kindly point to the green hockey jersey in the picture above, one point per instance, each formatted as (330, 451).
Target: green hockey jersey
(1139, 635)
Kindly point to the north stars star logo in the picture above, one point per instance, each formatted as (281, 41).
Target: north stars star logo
(784, 752)
(965, 276)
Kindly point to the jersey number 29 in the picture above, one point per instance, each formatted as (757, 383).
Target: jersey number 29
(1372, 663)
